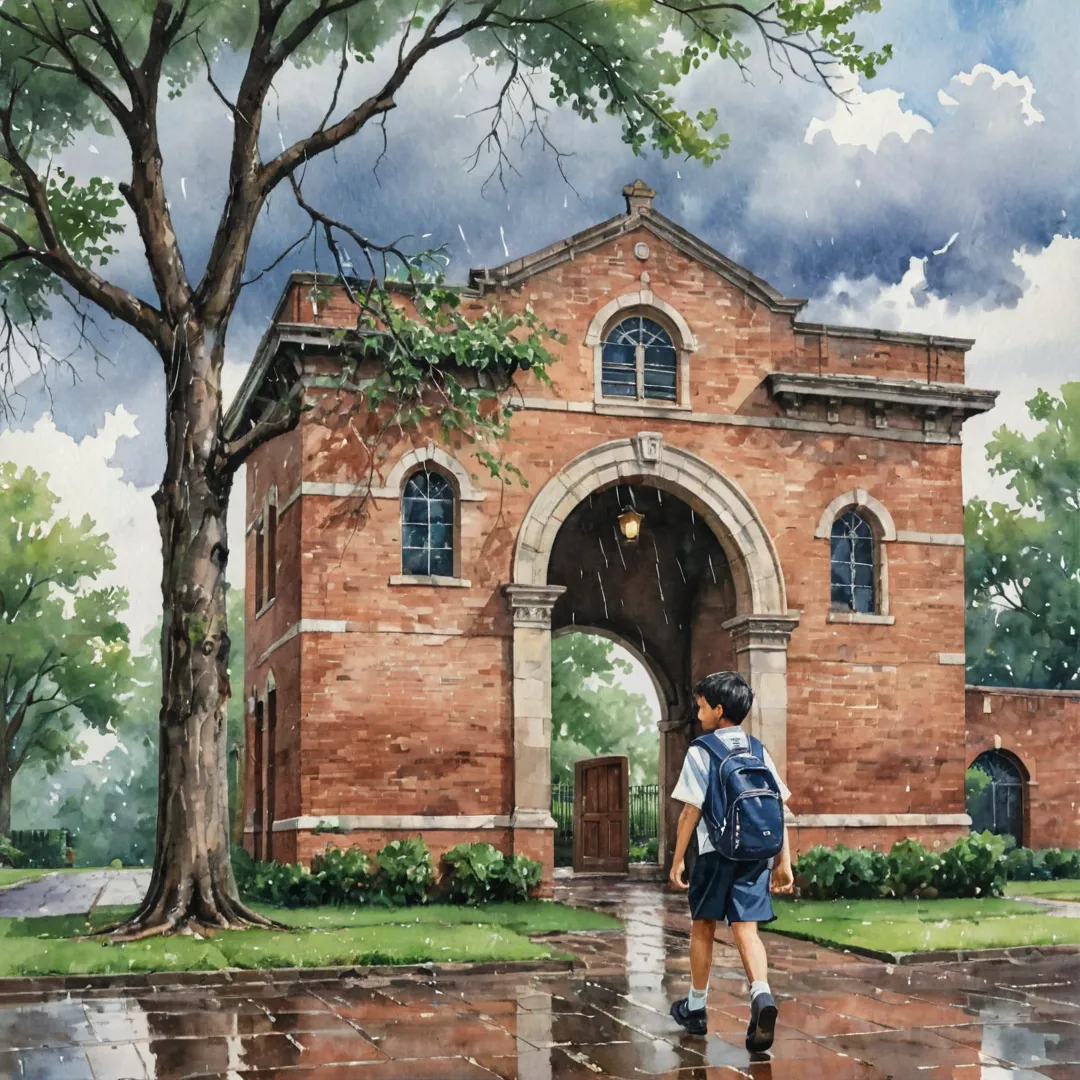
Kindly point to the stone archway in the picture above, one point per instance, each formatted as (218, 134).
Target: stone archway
(760, 630)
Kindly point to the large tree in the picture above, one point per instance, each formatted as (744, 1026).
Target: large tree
(594, 714)
(1023, 561)
(63, 645)
(69, 66)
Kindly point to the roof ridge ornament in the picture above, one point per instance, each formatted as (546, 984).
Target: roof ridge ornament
(639, 196)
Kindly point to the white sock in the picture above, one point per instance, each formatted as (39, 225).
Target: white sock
(696, 998)
(759, 987)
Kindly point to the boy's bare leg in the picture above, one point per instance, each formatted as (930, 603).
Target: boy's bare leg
(751, 950)
(702, 936)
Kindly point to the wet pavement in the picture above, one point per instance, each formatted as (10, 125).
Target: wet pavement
(841, 1017)
(74, 893)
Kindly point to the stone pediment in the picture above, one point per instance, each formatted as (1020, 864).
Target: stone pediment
(640, 215)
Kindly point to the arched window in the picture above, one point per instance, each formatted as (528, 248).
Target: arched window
(852, 565)
(994, 787)
(427, 525)
(639, 361)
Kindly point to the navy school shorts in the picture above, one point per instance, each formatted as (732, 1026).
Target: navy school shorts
(733, 891)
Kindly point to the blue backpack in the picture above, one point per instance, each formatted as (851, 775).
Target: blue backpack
(743, 811)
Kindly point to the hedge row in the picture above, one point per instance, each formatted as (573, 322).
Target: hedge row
(976, 865)
(46, 849)
(400, 874)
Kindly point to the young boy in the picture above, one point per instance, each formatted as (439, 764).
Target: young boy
(720, 888)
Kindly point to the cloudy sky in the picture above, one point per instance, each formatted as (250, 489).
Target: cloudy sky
(942, 200)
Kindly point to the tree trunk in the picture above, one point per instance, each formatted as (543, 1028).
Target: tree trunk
(5, 800)
(192, 884)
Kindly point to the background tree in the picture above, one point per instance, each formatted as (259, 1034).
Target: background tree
(592, 714)
(63, 645)
(1023, 562)
(69, 67)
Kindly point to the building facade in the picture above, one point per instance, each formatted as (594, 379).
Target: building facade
(801, 520)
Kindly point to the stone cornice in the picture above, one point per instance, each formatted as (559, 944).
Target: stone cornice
(920, 395)
(762, 631)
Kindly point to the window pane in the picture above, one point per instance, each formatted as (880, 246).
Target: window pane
(864, 600)
(841, 596)
(864, 576)
(652, 333)
(416, 487)
(414, 536)
(414, 561)
(441, 537)
(442, 562)
(441, 511)
(864, 550)
(841, 550)
(414, 511)
(439, 487)
(660, 372)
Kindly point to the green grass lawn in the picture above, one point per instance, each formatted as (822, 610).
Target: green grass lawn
(8, 876)
(322, 937)
(908, 926)
(1046, 890)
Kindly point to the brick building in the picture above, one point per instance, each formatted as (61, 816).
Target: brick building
(800, 487)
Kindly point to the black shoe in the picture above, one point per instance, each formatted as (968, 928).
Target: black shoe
(692, 1019)
(759, 1035)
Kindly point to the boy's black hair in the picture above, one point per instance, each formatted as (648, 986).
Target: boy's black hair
(729, 689)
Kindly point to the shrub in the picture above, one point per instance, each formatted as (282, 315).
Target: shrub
(405, 874)
(345, 876)
(648, 852)
(973, 866)
(284, 885)
(818, 872)
(243, 866)
(1023, 864)
(864, 874)
(912, 870)
(1062, 863)
(9, 853)
(520, 876)
(473, 873)
(116, 864)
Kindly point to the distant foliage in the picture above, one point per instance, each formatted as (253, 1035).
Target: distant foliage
(401, 874)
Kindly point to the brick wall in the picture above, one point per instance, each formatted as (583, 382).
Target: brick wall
(1040, 728)
(408, 711)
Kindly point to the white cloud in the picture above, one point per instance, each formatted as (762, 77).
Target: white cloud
(867, 118)
(1008, 78)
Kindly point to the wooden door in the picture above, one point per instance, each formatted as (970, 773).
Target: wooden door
(602, 815)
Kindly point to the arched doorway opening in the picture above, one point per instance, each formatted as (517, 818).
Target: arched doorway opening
(605, 701)
(739, 621)
(996, 794)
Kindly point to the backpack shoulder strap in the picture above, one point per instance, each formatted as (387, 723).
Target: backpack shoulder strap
(715, 748)
(757, 748)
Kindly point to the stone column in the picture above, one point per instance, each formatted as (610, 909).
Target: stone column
(761, 644)
(531, 823)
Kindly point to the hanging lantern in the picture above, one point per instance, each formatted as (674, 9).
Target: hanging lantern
(630, 524)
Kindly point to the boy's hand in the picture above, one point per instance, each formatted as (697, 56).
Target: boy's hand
(782, 879)
(678, 875)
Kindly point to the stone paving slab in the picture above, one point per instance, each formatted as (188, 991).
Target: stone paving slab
(74, 893)
(841, 1018)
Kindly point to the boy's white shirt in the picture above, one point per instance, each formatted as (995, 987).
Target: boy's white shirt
(694, 779)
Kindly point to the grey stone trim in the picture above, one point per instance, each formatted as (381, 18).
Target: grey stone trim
(532, 604)
(1017, 691)
(939, 539)
(526, 818)
(861, 618)
(947, 396)
(956, 659)
(762, 631)
(430, 579)
(893, 337)
(862, 499)
(879, 821)
(779, 423)
(306, 626)
(352, 822)
(293, 497)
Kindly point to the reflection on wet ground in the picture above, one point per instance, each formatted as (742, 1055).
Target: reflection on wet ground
(841, 1017)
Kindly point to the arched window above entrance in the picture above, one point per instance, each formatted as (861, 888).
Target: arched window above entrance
(428, 521)
(639, 361)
